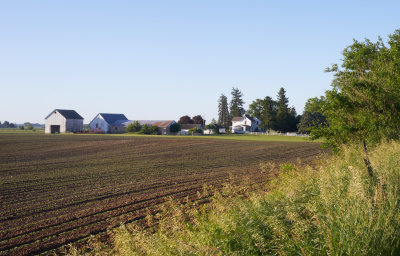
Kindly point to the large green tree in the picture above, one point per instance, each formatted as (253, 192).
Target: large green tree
(185, 120)
(236, 104)
(256, 108)
(312, 115)
(364, 104)
(268, 118)
(198, 120)
(265, 110)
(223, 112)
(285, 116)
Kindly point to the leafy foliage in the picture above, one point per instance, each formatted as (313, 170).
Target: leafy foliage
(364, 104)
(198, 120)
(274, 115)
(7, 124)
(315, 104)
(312, 116)
(310, 120)
(134, 127)
(149, 129)
(175, 127)
(268, 118)
(185, 120)
(29, 126)
(213, 126)
(256, 108)
(195, 130)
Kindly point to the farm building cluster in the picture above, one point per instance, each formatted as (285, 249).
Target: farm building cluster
(62, 121)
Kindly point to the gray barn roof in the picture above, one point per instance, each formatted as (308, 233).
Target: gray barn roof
(189, 126)
(158, 123)
(68, 114)
(112, 118)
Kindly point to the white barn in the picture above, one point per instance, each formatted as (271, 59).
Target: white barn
(62, 120)
(108, 123)
(245, 124)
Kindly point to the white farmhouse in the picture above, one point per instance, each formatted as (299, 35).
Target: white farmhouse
(108, 123)
(245, 124)
(62, 120)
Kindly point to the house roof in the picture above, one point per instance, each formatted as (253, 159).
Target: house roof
(237, 118)
(158, 123)
(240, 118)
(68, 114)
(250, 117)
(189, 126)
(112, 118)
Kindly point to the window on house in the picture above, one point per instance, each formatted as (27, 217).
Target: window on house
(97, 125)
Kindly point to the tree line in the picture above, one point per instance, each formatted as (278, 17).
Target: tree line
(274, 114)
(7, 124)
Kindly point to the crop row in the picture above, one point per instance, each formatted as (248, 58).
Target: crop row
(59, 189)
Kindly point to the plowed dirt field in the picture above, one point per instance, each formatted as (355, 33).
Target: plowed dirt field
(57, 189)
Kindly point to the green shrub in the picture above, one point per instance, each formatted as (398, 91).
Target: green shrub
(29, 126)
(212, 126)
(145, 129)
(134, 127)
(175, 127)
(153, 130)
(195, 130)
(287, 167)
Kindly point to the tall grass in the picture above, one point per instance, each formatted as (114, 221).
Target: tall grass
(332, 209)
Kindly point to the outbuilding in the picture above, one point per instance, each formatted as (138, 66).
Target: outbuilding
(62, 120)
(108, 123)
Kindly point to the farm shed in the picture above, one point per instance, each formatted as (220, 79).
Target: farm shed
(108, 123)
(62, 120)
(163, 125)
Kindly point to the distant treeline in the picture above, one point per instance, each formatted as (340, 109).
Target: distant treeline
(25, 126)
(274, 114)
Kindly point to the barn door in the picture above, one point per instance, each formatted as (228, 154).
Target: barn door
(55, 129)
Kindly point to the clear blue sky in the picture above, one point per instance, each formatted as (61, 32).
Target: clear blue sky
(165, 59)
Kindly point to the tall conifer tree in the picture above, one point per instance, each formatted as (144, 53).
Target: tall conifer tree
(236, 105)
(223, 112)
